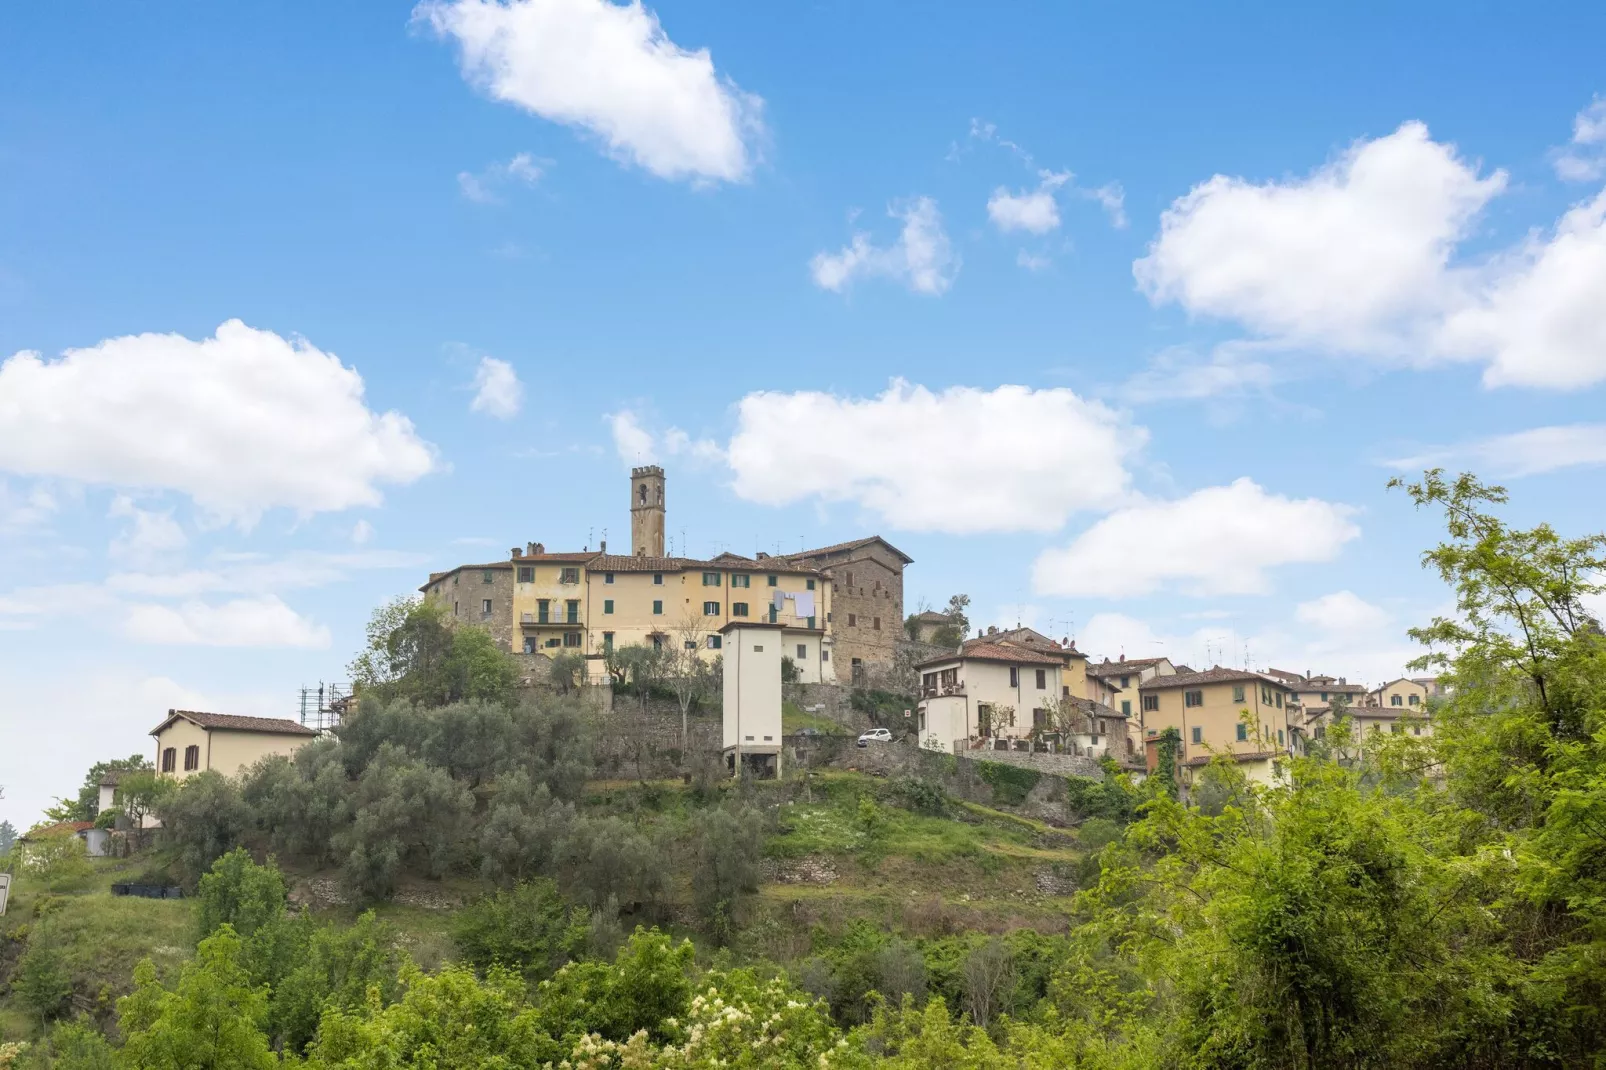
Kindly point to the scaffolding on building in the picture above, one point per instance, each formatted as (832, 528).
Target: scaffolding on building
(323, 706)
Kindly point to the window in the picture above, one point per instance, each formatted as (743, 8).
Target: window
(607, 577)
(1198, 734)
(1279, 700)
(454, 609)
(657, 642)
(554, 641)
(773, 580)
(710, 579)
(738, 609)
(571, 638)
(715, 642)
(526, 574)
(1395, 700)
(1126, 706)
(802, 652)
(877, 624)
(569, 575)
(607, 640)
(710, 609)
(485, 607)
(1243, 731)
(488, 576)
(657, 607)
(1042, 679)
(607, 605)
(1397, 729)
(1279, 737)
(572, 611)
(454, 579)
(658, 579)
(529, 645)
(1324, 696)
(1151, 702)
(849, 578)
(1411, 700)
(1014, 676)
(1193, 698)
(542, 610)
(741, 581)
(1126, 681)
(169, 759)
(853, 620)
(192, 757)
(1238, 694)
(825, 655)
(1416, 730)
(758, 648)
(811, 585)
(1039, 718)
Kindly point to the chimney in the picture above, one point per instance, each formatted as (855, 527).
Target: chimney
(602, 547)
(1123, 655)
(761, 556)
(992, 629)
(517, 552)
(537, 548)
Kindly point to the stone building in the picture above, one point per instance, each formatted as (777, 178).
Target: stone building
(587, 602)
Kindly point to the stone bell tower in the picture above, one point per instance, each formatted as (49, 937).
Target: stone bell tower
(647, 511)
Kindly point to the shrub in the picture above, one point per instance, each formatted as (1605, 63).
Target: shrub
(205, 818)
(1010, 783)
(921, 795)
(240, 893)
(57, 860)
(726, 845)
(42, 984)
(528, 928)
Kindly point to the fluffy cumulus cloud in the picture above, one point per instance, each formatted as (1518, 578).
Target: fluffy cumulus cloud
(1216, 541)
(1521, 453)
(1349, 256)
(1034, 211)
(611, 70)
(962, 460)
(1361, 257)
(922, 258)
(497, 390)
(241, 422)
(1584, 159)
(636, 444)
(244, 622)
(1343, 613)
(485, 187)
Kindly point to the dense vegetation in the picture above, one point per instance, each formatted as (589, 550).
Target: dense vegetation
(1397, 901)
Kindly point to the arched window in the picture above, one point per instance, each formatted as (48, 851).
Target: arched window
(644, 494)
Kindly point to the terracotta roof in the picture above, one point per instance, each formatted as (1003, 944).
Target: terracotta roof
(1033, 638)
(59, 826)
(981, 651)
(1095, 709)
(1216, 675)
(931, 616)
(629, 563)
(234, 723)
(1251, 757)
(839, 547)
(1122, 668)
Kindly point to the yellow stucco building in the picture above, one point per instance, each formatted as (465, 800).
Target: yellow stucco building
(1221, 711)
(190, 742)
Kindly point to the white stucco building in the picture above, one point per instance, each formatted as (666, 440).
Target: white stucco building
(752, 654)
(986, 691)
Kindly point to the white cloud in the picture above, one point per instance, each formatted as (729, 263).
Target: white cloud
(922, 258)
(27, 509)
(963, 460)
(482, 188)
(1521, 453)
(243, 622)
(1357, 258)
(612, 71)
(497, 390)
(636, 445)
(149, 537)
(1220, 540)
(1584, 160)
(1033, 261)
(1112, 198)
(1342, 613)
(1034, 211)
(241, 422)
(362, 533)
(1178, 374)
(1537, 317)
(1347, 257)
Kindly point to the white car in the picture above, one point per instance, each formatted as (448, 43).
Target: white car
(876, 735)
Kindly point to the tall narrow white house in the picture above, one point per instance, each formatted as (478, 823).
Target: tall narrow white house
(752, 653)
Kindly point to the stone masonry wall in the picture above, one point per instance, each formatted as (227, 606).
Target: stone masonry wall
(874, 595)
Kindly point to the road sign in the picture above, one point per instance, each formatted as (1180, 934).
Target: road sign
(5, 889)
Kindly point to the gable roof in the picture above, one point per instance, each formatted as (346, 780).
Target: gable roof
(931, 616)
(275, 725)
(1093, 708)
(1122, 668)
(843, 547)
(983, 651)
(1399, 680)
(1214, 675)
(727, 562)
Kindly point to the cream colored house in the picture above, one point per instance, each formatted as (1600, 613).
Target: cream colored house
(984, 692)
(190, 742)
(1116, 683)
(752, 696)
(1401, 694)
(1222, 711)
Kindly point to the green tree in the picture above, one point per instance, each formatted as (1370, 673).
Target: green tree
(726, 847)
(56, 860)
(404, 813)
(42, 983)
(566, 672)
(75, 1045)
(528, 928)
(239, 893)
(8, 837)
(210, 1020)
(203, 819)
(414, 652)
(86, 804)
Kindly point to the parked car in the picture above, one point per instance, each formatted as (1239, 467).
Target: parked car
(875, 735)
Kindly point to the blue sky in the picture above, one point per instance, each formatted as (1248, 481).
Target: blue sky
(971, 282)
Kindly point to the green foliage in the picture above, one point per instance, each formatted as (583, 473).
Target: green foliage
(1010, 783)
(56, 860)
(204, 819)
(566, 672)
(8, 837)
(139, 793)
(646, 988)
(75, 1045)
(603, 857)
(921, 795)
(108, 818)
(726, 846)
(210, 1019)
(310, 968)
(42, 983)
(301, 801)
(523, 830)
(414, 653)
(404, 813)
(86, 804)
(884, 708)
(239, 893)
(1164, 777)
(1112, 798)
(530, 929)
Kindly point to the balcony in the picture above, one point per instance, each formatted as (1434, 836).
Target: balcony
(943, 691)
